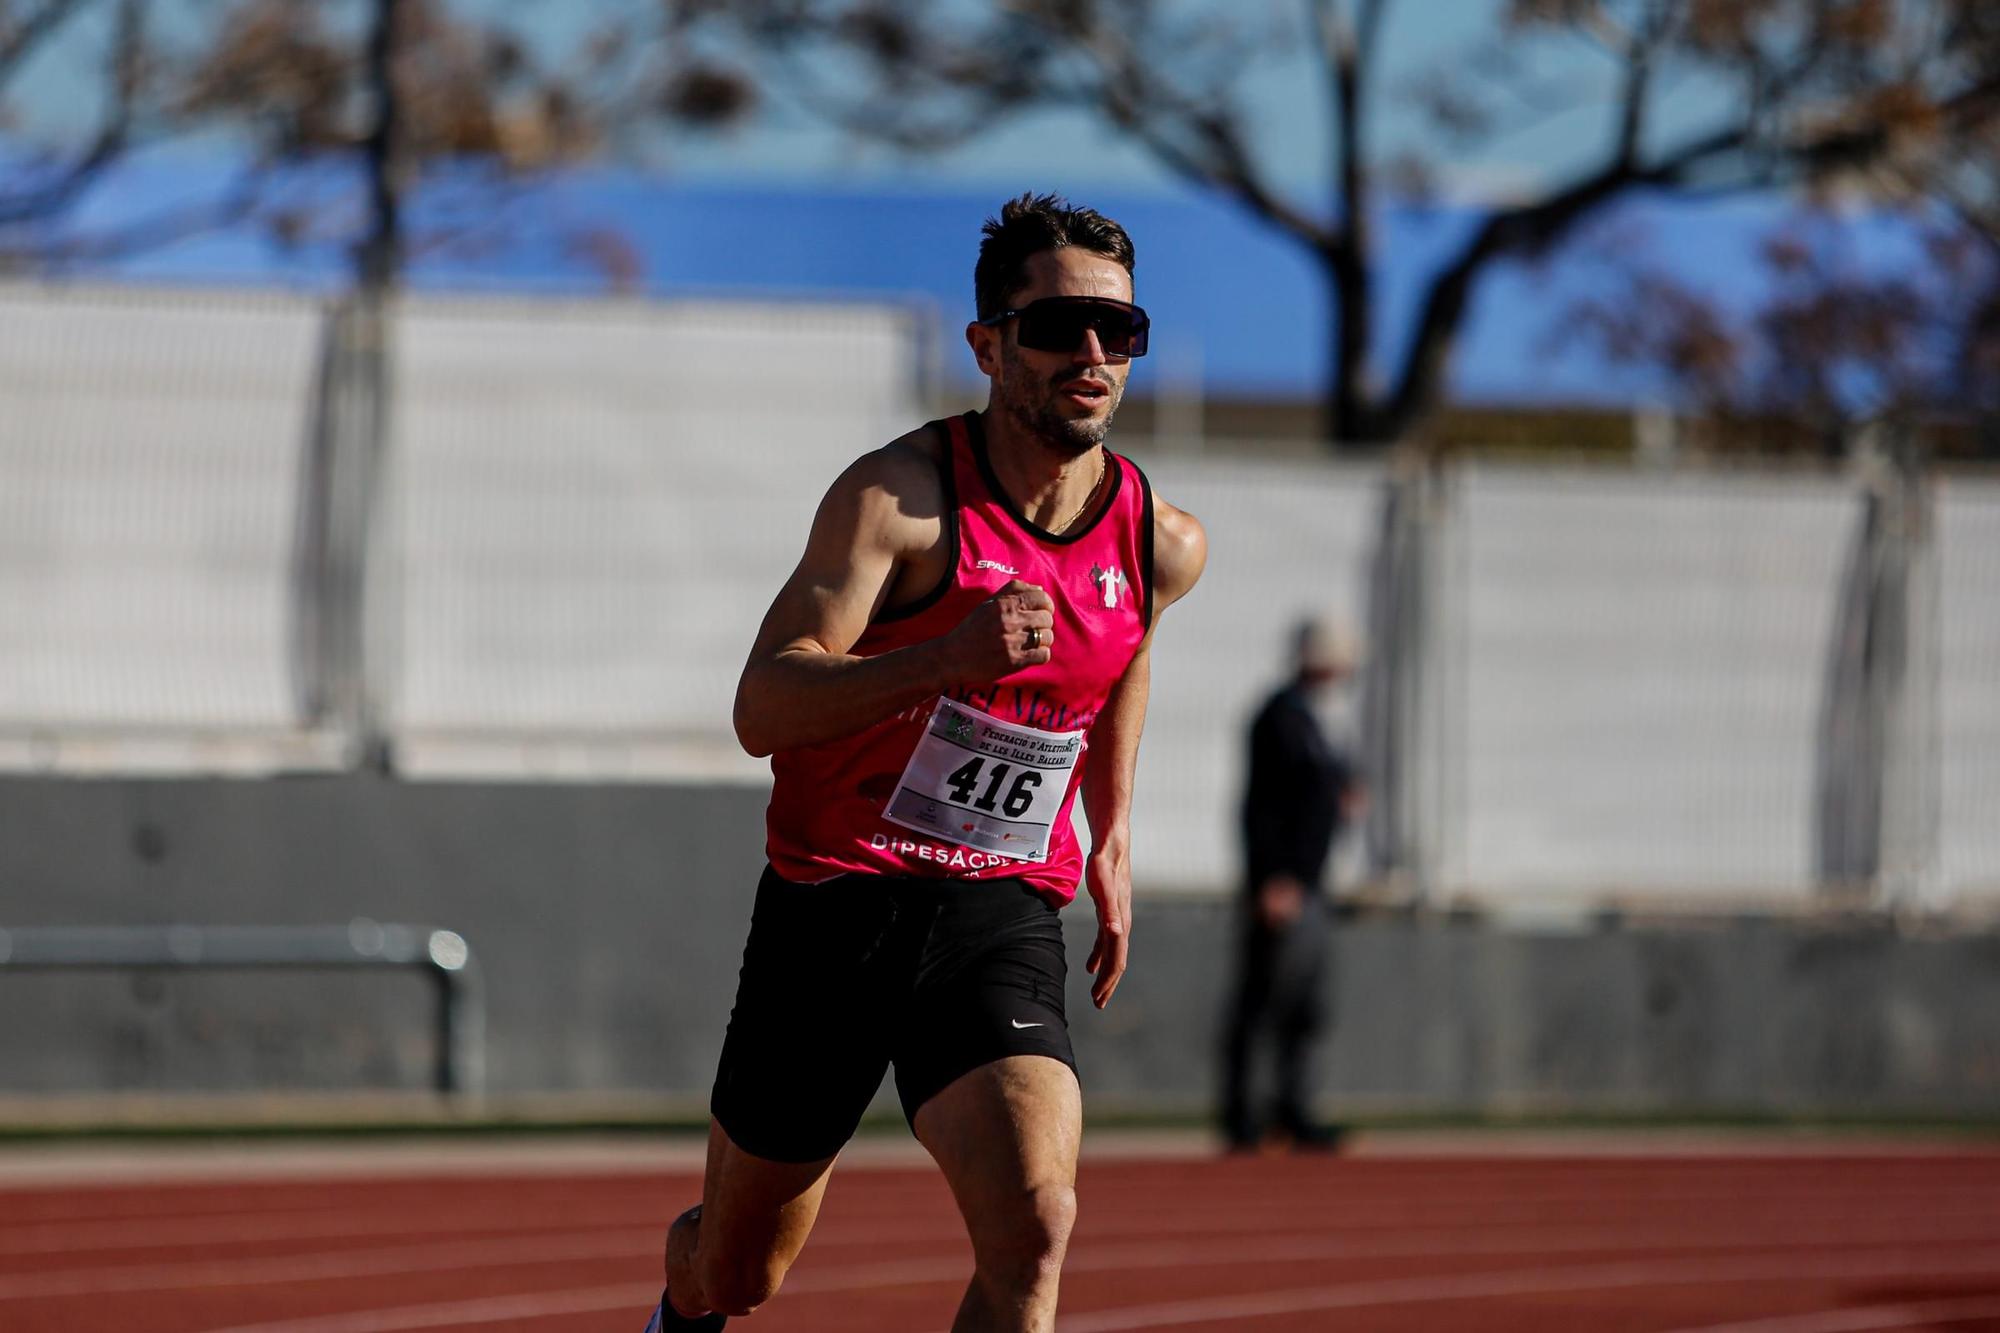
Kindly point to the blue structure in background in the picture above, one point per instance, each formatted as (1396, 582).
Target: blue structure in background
(1234, 302)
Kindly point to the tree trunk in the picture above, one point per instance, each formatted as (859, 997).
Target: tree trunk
(378, 257)
(1350, 417)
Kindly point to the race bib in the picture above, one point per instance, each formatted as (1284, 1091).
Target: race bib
(987, 784)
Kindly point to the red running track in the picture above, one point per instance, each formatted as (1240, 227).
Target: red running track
(1801, 1241)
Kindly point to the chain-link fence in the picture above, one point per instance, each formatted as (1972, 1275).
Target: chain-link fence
(1709, 688)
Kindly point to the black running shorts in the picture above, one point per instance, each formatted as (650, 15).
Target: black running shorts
(843, 979)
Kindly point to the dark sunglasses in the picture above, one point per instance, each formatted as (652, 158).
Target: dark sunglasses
(1056, 324)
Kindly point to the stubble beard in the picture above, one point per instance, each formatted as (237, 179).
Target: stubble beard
(1036, 412)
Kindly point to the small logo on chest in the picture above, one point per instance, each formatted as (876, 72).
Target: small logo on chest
(1110, 584)
(995, 564)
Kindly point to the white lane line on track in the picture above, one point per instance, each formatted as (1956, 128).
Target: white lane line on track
(1863, 1319)
(33, 1240)
(540, 1305)
(1359, 1199)
(325, 1265)
(172, 1234)
(175, 1231)
(1472, 1286)
(638, 1299)
(1519, 1243)
(1898, 1262)
(1093, 1255)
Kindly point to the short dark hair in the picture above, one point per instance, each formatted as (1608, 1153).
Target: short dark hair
(1026, 227)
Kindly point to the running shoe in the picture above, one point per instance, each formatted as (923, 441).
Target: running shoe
(666, 1320)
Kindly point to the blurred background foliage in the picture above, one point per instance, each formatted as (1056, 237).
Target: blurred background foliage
(1861, 110)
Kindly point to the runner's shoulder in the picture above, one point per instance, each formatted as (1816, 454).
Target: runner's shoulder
(915, 457)
(896, 489)
(1180, 551)
(906, 468)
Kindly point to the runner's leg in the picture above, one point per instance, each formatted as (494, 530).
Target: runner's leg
(1006, 1136)
(731, 1253)
(790, 1087)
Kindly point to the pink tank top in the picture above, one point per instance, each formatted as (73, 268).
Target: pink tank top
(980, 784)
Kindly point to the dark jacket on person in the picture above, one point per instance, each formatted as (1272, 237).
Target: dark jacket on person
(1293, 801)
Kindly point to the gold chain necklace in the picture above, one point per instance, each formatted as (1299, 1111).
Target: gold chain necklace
(1102, 468)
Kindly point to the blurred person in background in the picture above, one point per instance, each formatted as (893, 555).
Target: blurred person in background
(1302, 792)
(973, 612)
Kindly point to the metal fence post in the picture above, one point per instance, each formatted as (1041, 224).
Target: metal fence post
(1405, 729)
(1876, 786)
(461, 1044)
(343, 584)
(1912, 777)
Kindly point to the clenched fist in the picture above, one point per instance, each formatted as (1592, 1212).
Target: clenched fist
(1013, 628)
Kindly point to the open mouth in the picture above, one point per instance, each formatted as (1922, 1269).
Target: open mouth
(1088, 393)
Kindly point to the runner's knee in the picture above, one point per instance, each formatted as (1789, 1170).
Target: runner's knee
(1024, 1244)
(734, 1287)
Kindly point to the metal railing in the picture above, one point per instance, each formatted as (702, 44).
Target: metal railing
(460, 1071)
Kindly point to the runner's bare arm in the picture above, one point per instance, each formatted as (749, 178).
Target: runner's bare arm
(1180, 551)
(801, 685)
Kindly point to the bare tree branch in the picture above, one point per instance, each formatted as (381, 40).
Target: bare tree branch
(1203, 142)
(1534, 227)
(20, 41)
(1529, 228)
(1635, 100)
(111, 138)
(1827, 87)
(1348, 244)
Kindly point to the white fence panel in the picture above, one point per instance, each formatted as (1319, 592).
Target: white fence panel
(597, 504)
(590, 506)
(1644, 659)
(1285, 540)
(1968, 529)
(150, 456)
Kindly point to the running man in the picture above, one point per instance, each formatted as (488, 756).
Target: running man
(961, 650)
